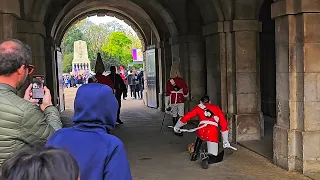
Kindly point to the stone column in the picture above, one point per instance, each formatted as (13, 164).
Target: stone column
(297, 132)
(215, 63)
(189, 50)
(33, 33)
(243, 79)
(51, 69)
(9, 12)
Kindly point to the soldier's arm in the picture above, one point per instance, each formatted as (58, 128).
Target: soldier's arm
(222, 120)
(185, 89)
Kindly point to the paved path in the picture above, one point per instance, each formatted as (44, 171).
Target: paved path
(156, 155)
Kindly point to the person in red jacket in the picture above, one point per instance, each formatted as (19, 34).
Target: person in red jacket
(99, 77)
(210, 117)
(176, 92)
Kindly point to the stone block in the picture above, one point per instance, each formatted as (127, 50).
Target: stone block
(10, 7)
(246, 25)
(282, 57)
(311, 151)
(212, 28)
(282, 30)
(10, 28)
(280, 146)
(297, 63)
(248, 127)
(296, 111)
(246, 51)
(311, 57)
(247, 103)
(282, 86)
(250, 9)
(296, 82)
(246, 83)
(1, 26)
(310, 87)
(311, 116)
(311, 27)
(310, 6)
(283, 116)
(295, 151)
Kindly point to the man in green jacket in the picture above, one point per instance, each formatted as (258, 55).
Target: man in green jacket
(22, 120)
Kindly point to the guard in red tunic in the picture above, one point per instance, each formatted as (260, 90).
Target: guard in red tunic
(211, 117)
(177, 91)
(99, 77)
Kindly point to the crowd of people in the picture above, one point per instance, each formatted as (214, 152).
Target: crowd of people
(75, 80)
(35, 146)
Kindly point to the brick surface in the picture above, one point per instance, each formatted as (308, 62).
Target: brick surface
(156, 155)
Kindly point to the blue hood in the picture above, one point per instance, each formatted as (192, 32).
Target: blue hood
(95, 104)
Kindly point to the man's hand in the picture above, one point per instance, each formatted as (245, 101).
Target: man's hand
(168, 109)
(226, 144)
(176, 130)
(28, 95)
(46, 101)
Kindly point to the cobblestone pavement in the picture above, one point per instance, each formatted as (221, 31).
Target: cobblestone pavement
(156, 155)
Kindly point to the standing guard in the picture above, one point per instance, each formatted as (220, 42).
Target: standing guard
(177, 90)
(211, 117)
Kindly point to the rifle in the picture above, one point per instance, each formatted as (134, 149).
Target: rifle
(164, 116)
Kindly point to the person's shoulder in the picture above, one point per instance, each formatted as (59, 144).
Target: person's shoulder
(111, 140)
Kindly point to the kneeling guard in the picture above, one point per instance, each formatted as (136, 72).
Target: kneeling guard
(211, 117)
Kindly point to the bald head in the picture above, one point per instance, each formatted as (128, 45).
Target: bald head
(13, 54)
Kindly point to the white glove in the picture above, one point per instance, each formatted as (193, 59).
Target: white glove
(226, 144)
(176, 130)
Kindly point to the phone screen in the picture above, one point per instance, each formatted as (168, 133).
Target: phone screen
(38, 87)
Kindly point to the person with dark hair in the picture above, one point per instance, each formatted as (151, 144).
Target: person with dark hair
(119, 87)
(22, 118)
(210, 117)
(100, 155)
(40, 164)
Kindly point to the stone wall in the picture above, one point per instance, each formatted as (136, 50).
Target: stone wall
(297, 132)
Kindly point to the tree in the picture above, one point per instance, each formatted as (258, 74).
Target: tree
(73, 34)
(118, 45)
(67, 63)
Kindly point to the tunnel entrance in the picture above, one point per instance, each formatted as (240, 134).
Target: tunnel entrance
(267, 67)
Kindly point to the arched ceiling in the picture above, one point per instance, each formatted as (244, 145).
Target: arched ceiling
(146, 17)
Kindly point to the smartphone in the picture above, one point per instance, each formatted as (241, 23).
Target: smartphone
(38, 88)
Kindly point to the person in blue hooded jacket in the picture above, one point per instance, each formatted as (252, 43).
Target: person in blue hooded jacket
(101, 156)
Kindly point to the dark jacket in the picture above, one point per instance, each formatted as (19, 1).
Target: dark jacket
(101, 156)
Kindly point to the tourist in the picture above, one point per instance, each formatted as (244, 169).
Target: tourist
(119, 87)
(22, 120)
(101, 156)
(40, 164)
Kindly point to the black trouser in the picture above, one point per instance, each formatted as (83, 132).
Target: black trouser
(118, 97)
(133, 91)
(212, 158)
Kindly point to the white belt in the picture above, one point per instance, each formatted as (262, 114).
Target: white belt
(175, 92)
(202, 124)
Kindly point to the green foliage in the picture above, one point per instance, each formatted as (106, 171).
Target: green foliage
(113, 40)
(72, 35)
(67, 63)
(118, 46)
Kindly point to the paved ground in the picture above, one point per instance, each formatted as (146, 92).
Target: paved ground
(156, 155)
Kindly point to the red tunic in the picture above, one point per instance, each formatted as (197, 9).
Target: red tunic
(177, 97)
(102, 80)
(210, 132)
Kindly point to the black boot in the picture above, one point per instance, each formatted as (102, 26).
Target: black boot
(196, 151)
(204, 160)
(216, 159)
